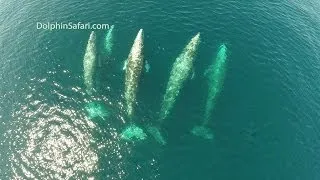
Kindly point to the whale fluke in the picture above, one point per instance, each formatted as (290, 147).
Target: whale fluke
(203, 132)
(133, 132)
(95, 109)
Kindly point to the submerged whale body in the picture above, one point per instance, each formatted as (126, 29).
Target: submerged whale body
(108, 44)
(89, 63)
(215, 75)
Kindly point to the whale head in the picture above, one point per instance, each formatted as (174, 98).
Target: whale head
(92, 36)
(193, 45)
(196, 38)
(223, 48)
(140, 34)
(136, 50)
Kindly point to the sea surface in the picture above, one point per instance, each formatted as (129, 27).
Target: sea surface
(266, 121)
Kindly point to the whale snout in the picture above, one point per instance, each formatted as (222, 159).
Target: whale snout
(196, 39)
(140, 34)
(197, 36)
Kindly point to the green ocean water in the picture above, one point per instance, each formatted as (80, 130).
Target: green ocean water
(266, 119)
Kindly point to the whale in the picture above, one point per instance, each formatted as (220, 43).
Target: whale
(94, 109)
(132, 77)
(215, 77)
(89, 63)
(181, 70)
(109, 41)
(133, 72)
(108, 45)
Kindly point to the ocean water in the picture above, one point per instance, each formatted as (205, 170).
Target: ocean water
(266, 120)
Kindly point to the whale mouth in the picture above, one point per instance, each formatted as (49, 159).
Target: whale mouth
(133, 132)
(203, 132)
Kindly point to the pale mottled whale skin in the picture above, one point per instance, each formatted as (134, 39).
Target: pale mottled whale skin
(133, 72)
(89, 63)
(181, 70)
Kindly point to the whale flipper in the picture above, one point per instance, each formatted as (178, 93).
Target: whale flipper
(147, 66)
(125, 65)
(193, 74)
(133, 132)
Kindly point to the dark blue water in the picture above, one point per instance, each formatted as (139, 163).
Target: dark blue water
(266, 120)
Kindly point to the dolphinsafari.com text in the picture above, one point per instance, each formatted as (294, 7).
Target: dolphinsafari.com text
(71, 25)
